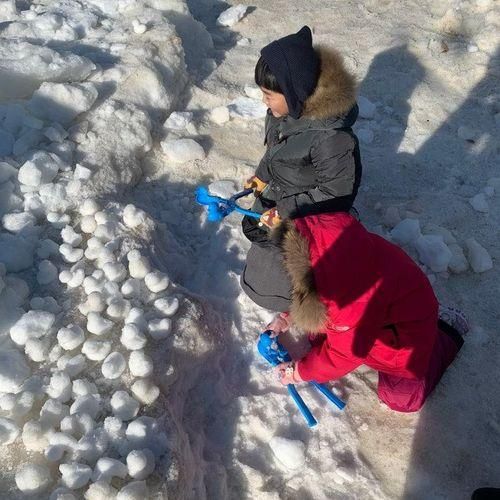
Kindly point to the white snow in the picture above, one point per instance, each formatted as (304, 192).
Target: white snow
(33, 478)
(220, 115)
(232, 15)
(247, 108)
(288, 452)
(479, 258)
(182, 150)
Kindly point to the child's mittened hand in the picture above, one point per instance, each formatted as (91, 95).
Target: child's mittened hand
(256, 184)
(270, 218)
(287, 373)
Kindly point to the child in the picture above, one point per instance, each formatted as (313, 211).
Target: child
(369, 304)
(312, 163)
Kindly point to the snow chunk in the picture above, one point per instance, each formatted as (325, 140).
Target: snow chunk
(114, 365)
(366, 108)
(145, 391)
(34, 436)
(247, 109)
(96, 350)
(232, 15)
(131, 288)
(7, 171)
(70, 236)
(118, 307)
(40, 168)
(133, 216)
(52, 412)
(458, 263)
(290, 453)
(132, 337)
(140, 463)
(33, 324)
(115, 271)
(107, 468)
(33, 478)
(36, 349)
(70, 337)
(178, 120)
(140, 364)
(16, 253)
(138, 265)
(433, 252)
(88, 224)
(75, 475)
(62, 102)
(59, 387)
(479, 257)
(220, 115)
(98, 325)
(17, 405)
(139, 28)
(89, 207)
(70, 254)
(8, 431)
(167, 305)
(479, 203)
(71, 365)
(124, 406)
(160, 328)
(47, 272)
(145, 432)
(88, 404)
(18, 222)
(407, 231)
(62, 493)
(182, 150)
(100, 490)
(156, 281)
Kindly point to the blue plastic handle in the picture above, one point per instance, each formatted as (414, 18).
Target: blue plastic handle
(311, 421)
(329, 395)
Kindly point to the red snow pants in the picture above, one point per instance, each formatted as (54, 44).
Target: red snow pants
(409, 395)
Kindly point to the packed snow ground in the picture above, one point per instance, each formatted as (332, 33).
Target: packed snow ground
(127, 361)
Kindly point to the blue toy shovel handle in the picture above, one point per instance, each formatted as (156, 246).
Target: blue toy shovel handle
(329, 395)
(311, 421)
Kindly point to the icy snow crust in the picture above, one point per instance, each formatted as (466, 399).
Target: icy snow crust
(127, 351)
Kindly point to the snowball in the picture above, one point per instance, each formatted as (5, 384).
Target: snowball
(18, 222)
(114, 365)
(365, 135)
(140, 364)
(47, 272)
(89, 207)
(232, 15)
(8, 431)
(71, 365)
(7, 171)
(100, 490)
(103, 217)
(70, 236)
(178, 120)
(131, 288)
(106, 232)
(59, 387)
(479, 203)
(139, 267)
(133, 216)
(52, 412)
(88, 224)
(182, 150)
(136, 315)
(55, 133)
(219, 115)
(17, 405)
(366, 107)
(98, 325)
(132, 337)
(70, 254)
(47, 248)
(145, 391)
(33, 324)
(124, 406)
(288, 452)
(75, 475)
(93, 284)
(94, 303)
(70, 337)
(118, 307)
(67, 100)
(36, 349)
(58, 220)
(40, 168)
(59, 444)
(156, 281)
(167, 305)
(433, 252)
(62, 493)
(82, 387)
(89, 404)
(479, 257)
(160, 328)
(115, 271)
(458, 263)
(145, 432)
(115, 430)
(140, 463)
(445, 233)
(96, 350)
(247, 109)
(33, 478)
(107, 468)
(34, 436)
(138, 27)
(407, 231)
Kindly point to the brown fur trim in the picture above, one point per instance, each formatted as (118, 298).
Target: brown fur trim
(307, 311)
(335, 93)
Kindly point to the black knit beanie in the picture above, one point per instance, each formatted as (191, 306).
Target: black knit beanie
(295, 64)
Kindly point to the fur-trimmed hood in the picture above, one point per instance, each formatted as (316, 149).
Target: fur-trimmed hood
(335, 92)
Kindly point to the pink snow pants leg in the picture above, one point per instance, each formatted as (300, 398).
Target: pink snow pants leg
(409, 395)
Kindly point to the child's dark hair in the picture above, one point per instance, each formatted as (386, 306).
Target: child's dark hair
(265, 78)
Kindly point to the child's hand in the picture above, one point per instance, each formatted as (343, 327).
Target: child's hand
(256, 184)
(287, 373)
(280, 324)
(270, 218)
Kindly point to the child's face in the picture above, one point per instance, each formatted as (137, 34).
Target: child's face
(275, 101)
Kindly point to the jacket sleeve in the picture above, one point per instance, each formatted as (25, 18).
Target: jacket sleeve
(333, 159)
(262, 171)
